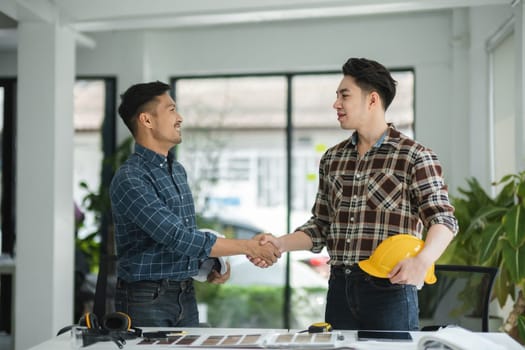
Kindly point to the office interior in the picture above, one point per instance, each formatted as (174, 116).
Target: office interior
(467, 57)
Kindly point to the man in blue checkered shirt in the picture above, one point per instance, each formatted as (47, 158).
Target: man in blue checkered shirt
(159, 248)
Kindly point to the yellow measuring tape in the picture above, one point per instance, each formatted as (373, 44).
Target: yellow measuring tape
(320, 327)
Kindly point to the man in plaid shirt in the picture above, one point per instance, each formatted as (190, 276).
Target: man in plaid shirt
(373, 185)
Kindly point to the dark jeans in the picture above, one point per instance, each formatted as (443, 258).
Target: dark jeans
(357, 300)
(164, 303)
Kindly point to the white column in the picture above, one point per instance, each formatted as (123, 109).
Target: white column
(44, 241)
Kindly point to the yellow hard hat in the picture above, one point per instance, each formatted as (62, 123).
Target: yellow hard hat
(391, 251)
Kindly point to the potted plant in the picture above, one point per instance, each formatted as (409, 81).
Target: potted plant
(492, 233)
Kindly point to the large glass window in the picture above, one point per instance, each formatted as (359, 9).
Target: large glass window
(232, 135)
(235, 151)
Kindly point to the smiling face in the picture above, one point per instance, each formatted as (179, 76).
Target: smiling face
(167, 120)
(161, 124)
(351, 104)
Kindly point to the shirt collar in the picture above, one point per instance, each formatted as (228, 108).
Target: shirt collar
(355, 137)
(153, 157)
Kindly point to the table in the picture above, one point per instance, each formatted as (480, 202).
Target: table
(63, 342)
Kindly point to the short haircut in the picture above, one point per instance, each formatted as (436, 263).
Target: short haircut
(136, 100)
(371, 76)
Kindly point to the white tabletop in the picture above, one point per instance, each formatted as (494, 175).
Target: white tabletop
(350, 341)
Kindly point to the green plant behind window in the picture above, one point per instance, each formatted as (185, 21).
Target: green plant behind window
(99, 203)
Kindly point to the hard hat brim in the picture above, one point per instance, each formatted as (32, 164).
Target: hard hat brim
(370, 269)
(431, 279)
(367, 267)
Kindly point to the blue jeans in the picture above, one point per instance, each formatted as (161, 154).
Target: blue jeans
(357, 300)
(164, 303)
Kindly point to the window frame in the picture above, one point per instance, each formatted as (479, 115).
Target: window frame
(8, 200)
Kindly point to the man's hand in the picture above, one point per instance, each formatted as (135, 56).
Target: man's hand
(409, 271)
(264, 239)
(267, 253)
(216, 278)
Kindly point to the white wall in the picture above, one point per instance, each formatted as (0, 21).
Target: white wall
(8, 64)
(117, 54)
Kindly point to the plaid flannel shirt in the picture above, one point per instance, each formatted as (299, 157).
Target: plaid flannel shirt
(396, 187)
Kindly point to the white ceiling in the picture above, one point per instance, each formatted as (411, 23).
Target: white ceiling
(87, 16)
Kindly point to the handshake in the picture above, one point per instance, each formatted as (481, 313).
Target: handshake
(265, 251)
(262, 250)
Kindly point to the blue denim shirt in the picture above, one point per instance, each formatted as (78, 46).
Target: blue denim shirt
(154, 216)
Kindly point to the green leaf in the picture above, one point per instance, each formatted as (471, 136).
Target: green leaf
(485, 214)
(505, 197)
(521, 192)
(490, 212)
(505, 178)
(501, 290)
(476, 196)
(514, 224)
(521, 327)
(502, 287)
(489, 241)
(514, 261)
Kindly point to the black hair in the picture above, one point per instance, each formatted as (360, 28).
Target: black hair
(371, 76)
(136, 99)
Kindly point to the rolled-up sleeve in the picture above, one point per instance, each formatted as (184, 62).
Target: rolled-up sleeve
(431, 193)
(318, 225)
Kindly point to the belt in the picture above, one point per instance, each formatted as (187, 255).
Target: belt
(166, 282)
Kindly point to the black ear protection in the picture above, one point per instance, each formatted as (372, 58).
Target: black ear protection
(117, 321)
(113, 322)
(115, 326)
(120, 322)
(89, 320)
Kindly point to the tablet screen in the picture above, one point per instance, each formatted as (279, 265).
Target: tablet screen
(384, 335)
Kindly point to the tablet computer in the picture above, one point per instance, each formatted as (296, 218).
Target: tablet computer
(384, 335)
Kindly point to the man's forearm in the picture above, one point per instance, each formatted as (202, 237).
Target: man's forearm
(437, 240)
(297, 240)
(228, 247)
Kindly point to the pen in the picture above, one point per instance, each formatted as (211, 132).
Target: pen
(172, 334)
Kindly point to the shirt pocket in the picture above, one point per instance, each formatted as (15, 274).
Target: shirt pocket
(384, 191)
(338, 184)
